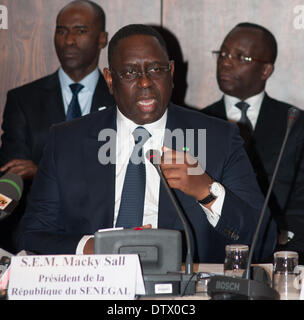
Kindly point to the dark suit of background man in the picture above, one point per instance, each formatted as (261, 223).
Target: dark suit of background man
(245, 62)
(32, 109)
(74, 194)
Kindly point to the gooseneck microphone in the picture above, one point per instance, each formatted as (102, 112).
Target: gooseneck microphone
(222, 287)
(188, 281)
(154, 157)
(293, 114)
(11, 188)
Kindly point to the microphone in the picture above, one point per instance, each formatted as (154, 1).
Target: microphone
(154, 157)
(223, 288)
(11, 188)
(293, 114)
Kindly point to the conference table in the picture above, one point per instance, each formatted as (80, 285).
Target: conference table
(204, 271)
(201, 287)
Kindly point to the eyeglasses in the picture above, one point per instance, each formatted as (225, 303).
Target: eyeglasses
(153, 72)
(240, 58)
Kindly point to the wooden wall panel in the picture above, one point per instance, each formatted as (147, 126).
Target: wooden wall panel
(28, 43)
(201, 26)
(27, 50)
(194, 28)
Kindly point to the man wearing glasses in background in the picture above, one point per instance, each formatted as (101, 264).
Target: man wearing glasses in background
(245, 62)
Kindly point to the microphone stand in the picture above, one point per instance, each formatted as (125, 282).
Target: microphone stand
(189, 262)
(224, 288)
(255, 237)
(188, 281)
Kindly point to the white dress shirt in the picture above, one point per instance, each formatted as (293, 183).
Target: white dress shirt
(85, 96)
(124, 147)
(234, 113)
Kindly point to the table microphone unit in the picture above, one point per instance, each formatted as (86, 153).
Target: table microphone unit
(188, 279)
(233, 288)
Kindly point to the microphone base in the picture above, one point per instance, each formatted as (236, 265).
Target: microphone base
(233, 288)
(171, 284)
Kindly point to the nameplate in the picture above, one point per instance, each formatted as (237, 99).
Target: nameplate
(75, 277)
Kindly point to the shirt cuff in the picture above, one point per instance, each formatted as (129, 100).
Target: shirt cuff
(214, 214)
(81, 244)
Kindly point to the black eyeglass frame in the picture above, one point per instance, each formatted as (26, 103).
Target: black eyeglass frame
(138, 74)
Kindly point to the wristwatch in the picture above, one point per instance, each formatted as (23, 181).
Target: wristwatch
(215, 190)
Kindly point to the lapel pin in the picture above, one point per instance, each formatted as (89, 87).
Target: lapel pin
(102, 108)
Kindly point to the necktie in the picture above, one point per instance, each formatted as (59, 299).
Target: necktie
(74, 107)
(244, 123)
(131, 209)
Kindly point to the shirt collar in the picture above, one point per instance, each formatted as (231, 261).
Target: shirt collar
(89, 82)
(254, 101)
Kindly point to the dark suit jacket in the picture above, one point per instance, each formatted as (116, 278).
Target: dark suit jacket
(31, 110)
(73, 194)
(29, 113)
(264, 151)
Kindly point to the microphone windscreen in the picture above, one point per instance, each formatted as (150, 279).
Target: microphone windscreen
(293, 114)
(153, 156)
(11, 185)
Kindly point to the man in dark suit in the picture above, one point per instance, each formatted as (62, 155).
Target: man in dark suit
(80, 185)
(245, 62)
(33, 108)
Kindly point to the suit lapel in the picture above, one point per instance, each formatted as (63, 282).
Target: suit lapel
(217, 110)
(167, 215)
(221, 110)
(102, 96)
(52, 109)
(265, 119)
(101, 177)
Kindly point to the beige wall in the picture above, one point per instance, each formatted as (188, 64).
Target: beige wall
(27, 51)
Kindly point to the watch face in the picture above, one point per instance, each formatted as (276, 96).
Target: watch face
(215, 189)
